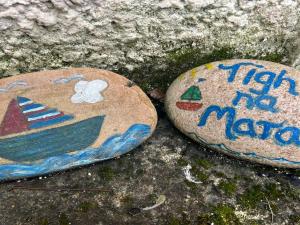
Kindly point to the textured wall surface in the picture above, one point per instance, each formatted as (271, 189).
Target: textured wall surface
(125, 34)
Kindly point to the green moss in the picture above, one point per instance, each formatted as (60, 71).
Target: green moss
(188, 58)
(219, 174)
(63, 219)
(86, 206)
(127, 201)
(224, 215)
(43, 221)
(294, 219)
(273, 57)
(252, 197)
(256, 194)
(204, 163)
(150, 75)
(106, 173)
(178, 221)
(204, 219)
(182, 162)
(228, 187)
(273, 191)
(199, 175)
(191, 185)
(297, 172)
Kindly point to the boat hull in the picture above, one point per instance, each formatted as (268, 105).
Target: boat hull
(52, 142)
(190, 106)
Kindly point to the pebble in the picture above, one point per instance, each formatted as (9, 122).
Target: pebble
(244, 108)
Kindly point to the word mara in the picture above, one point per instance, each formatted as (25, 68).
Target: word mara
(284, 135)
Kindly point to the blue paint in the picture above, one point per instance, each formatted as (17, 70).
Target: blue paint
(249, 99)
(261, 102)
(50, 122)
(293, 137)
(22, 99)
(249, 123)
(257, 98)
(32, 106)
(292, 83)
(224, 148)
(235, 68)
(42, 113)
(201, 80)
(51, 142)
(267, 78)
(266, 83)
(267, 128)
(233, 127)
(220, 112)
(112, 147)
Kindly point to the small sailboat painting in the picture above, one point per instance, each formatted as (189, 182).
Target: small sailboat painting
(60, 119)
(24, 115)
(189, 99)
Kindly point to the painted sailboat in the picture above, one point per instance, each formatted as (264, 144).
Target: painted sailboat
(190, 99)
(24, 115)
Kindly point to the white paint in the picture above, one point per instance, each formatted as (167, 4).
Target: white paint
(26, 103)
(89, 91)
(65, 80)
(34, 109)
(43, 116)
(13, 85)
(161, 199)
(189, 176)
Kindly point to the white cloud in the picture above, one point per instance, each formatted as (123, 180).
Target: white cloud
(89, 91)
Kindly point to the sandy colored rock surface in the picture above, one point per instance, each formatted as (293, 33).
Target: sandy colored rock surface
(245, 108)
(83, 94)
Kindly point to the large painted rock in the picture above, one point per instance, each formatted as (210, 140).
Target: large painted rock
(54, 120)
(245, 108)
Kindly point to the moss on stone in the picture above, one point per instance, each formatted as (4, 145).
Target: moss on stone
(228, 187)
(63, 219)
(106, 173)
(182, 162)
(199, 175)
(206, 164)
(256, 194)
(127, 201)
(155, 74)
(86, 206)
(294, 219)
(178, 221)
(43, 221)
(223, 214)
(219, 174)
(273, 191)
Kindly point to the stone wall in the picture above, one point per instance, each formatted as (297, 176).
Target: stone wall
(125, 35)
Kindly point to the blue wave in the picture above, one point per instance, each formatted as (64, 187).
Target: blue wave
(114, 146)
(248, 155)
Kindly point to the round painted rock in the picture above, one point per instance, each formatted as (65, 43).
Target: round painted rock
(54, 120)
(245, 108)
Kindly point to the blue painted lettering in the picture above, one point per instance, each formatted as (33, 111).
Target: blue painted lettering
(250, 131)
(280, 78)
(220, 112)
(267, 83)
(234, 69)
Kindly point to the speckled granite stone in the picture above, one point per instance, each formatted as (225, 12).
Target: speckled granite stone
(245, 108)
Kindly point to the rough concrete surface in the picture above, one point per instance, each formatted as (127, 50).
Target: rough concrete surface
(113, 192)
(126, 34)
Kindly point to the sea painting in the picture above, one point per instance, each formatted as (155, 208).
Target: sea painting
(55, 120)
